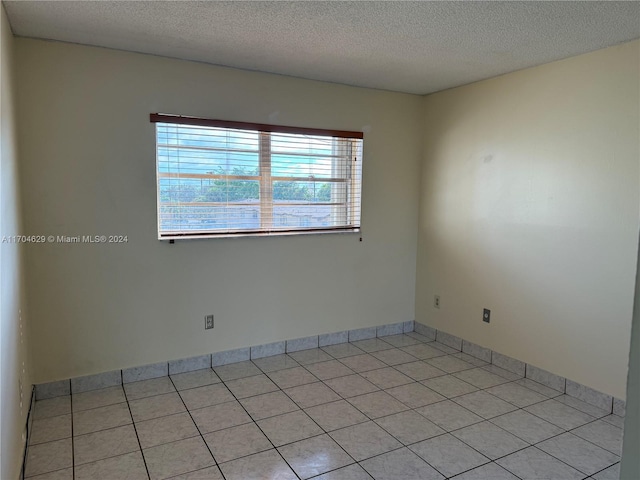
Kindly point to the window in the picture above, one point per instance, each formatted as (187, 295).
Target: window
(219, 178)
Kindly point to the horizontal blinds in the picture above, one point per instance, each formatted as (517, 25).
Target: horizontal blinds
(217, 180)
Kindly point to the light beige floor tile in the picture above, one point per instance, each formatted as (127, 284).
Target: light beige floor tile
(49, 457)
(49, 429)
(292, 377)
(449, 386)
(351, 385)
(419, 370)
(179, 457)
(470, 359)
(197, 378)
(538, 387)
(532, 463)
(409, 427)
(611, 473)
(209, 473)
(580, 454)
(490, 440)
(394, 356)
(386, 377)
(124, 467)
(52, 407)
(401, 340)
(166, 429)
(363, 363)
(423, 351)
(236, 442)
(448, 454)
(275, 363)
(365, 440)
(582, 406)
(330, 369)
(237, 370)
(103, 444)
(526, 426)
(64, 474)
(422, 338)
(488, 471)
(602, 434)
(260, 466)
(480, 378)
(352, 472)
(377, 404)
(372, 345)
(312, 394)
(157, 406)
(449, 415)
(342, 350)
(97, 398)
(217, 417)
(250, 386)
(559, 414)
(516, 394)
(449, 364)
(335, 415)
(307, 357)
(484, 404)
(268, 405)
(315, 456)
(148, 388)
(400, 464)
(445, 348)
(101, 418)
(415, 395)
(289, 427)
(205, 396)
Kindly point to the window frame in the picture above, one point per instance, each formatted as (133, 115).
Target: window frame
(266, 179)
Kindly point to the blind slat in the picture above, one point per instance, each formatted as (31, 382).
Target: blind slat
(222, 178)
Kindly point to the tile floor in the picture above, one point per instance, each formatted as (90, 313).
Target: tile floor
(392, 408)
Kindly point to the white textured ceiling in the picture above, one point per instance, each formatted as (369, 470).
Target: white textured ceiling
(415, 47)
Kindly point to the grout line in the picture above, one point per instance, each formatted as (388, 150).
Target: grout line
(196, 425)
(25, 452)
(263, 433)
(144, 460)
(73, 441)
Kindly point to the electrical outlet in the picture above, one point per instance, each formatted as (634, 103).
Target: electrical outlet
(486, 315)
(436, 301)
(208, 322)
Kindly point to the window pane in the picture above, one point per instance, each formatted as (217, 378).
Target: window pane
(218, 180)
(194, 217)
(304, 216)
(216, 204)
(198, 150)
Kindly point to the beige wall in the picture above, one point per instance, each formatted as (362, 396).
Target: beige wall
(529, 207)
(15, 382)
(87, 149)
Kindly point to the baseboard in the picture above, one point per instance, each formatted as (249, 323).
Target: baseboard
(526, 370)
(146, 372)
(444, 339)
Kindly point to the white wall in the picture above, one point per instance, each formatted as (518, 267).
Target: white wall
(87, 149)
(14, 367)
(529, 207)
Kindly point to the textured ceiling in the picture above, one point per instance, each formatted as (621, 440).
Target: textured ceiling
(415, 47)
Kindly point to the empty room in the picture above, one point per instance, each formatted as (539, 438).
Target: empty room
(319, 240)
